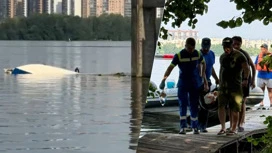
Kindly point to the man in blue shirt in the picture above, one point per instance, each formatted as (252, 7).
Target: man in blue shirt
(209, 60)
(264, 78)
(192, 74)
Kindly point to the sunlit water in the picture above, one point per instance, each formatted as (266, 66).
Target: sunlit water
(69, 114)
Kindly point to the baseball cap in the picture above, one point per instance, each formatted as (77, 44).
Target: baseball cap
(227, 42)
(206, 43)
(264, 46)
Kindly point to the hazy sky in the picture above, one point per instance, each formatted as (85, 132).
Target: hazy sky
(224, 10)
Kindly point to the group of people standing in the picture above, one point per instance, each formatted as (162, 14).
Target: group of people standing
(236, 77)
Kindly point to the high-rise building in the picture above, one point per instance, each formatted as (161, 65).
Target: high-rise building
(21, 8)
(25, 7)
(34, 7)
(93, 7)
(127, 11)
(57, 6)
(11, 8)
(85, 8)
(77, 8)
(48, 6)
(116, 7)
(99, 7)
(3, 9)
(67, 7)
(105, 7)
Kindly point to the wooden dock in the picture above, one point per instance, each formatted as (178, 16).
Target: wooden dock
(206, 142)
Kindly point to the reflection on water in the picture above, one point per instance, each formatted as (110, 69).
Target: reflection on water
(156, 122)
(74, 113)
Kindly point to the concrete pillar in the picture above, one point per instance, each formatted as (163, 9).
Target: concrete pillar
(137, 27)
(150, 41)
(144, 36)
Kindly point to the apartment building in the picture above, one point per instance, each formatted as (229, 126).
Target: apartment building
(127, 8)
(85, 8)
(116, 7)
(57, 6)
(81, 8)
(77, 5)
(181, 34)
(99, 7)
(20, 11)
(48, 6)
(34, 7)
(66, 7)
(3, 9)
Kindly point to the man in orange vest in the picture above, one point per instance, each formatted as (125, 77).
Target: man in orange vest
(264, 78)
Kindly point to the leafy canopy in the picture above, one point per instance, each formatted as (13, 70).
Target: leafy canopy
(179, 11)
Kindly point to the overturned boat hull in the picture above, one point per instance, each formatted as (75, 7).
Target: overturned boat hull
(39, 69)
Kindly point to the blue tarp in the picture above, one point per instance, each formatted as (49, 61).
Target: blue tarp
(19, 71)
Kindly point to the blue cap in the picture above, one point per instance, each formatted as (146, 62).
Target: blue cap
(206, 43)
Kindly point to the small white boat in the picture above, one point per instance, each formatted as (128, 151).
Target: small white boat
(39, 69)
(255, 96)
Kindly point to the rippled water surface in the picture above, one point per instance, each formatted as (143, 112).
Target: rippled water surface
(74, 113)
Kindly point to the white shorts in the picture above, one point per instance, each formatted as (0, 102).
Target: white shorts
(264, 82)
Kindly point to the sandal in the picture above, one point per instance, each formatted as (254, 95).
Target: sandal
(228, 129)
(221, 132)
(231, 133)
(241, 129)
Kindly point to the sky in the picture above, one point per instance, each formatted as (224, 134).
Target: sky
(224, 10)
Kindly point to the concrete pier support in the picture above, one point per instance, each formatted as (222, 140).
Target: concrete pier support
(144, 36)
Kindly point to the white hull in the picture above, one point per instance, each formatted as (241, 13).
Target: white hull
(39, 69)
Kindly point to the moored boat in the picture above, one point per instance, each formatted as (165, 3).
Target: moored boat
(255, 97)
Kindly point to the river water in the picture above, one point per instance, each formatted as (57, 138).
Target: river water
(82, 113)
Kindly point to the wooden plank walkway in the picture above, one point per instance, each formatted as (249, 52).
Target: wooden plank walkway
(203, 142)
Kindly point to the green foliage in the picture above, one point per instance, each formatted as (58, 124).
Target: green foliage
(62, 27)
(182, 10)
(267, 61)
(168, 48)
(252, 10)
(187, 10)
(265, 140)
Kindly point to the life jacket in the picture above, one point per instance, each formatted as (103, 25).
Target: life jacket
(259, 68)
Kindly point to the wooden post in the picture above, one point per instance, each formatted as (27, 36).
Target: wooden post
(144, 36)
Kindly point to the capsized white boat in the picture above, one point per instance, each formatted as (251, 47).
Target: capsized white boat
(39, 69)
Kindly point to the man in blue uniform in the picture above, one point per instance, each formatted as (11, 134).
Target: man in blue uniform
(192, 74)
(209, 60)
